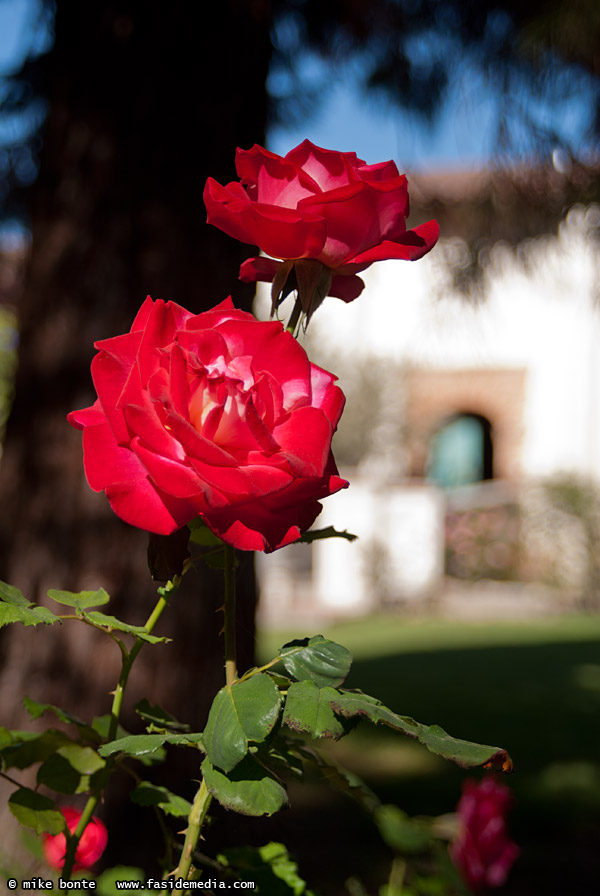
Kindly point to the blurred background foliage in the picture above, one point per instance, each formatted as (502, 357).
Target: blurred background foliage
(534, 687)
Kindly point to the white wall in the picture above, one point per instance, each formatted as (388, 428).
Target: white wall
(539, 316)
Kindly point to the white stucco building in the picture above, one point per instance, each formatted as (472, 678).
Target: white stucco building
(524, 358)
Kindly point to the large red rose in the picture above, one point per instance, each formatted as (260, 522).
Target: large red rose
(90, 848)
(317, 204)
(215, 415)
(482, 851)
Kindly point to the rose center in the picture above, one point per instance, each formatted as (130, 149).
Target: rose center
(217, 405)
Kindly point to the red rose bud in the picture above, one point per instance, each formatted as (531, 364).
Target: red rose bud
(215, 415)
(91, 846)
(317, 204)
(482, 851)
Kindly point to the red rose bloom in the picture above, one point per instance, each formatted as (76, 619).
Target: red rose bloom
(215, 415)
(482, 851)
(317, 204)
(91, 846)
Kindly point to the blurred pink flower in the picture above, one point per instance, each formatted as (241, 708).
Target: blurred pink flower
(482, 850)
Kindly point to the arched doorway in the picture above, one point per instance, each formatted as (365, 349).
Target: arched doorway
(461, 451)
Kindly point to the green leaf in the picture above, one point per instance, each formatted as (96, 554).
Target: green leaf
(248, 789)
(159, 717)
(462, 752)
(317, 658)
(404, 834)
(35, 811)
(14, 607)
(215, 559)
(147, 794)
(283, 866)
(34, 616)
(101, 725)
(113, 624)
(81, 600)
(83, 759)
(308, 710)
(12, 741)
(5, 738)
(212, 547)
(70, 768)
(278, 757)
(242, 712)
(269, 867)
(355, 703)
(329, 532)
(134, 744)
(106, 883)
(282, 682)
(28, 747)
(141, 744)
(341, 779)
(12, 595)
(36, 710)
(187, 740)
(202, 535)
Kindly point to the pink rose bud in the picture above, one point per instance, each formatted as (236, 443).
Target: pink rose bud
(482, 851)
(91, 846)
(317, 204)
(215, 415)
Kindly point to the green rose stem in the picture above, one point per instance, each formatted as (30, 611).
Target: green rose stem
(294, 317)
(203, 799)
(229, 614)
(128, 658)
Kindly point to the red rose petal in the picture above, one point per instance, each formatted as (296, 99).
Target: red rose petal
(413, 245)
(263, 269)
(282, 232)
(346, 287)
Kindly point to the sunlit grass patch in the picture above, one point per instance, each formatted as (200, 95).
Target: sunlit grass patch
(388, 633)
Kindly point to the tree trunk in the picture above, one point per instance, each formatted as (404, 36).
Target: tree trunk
(146, 99)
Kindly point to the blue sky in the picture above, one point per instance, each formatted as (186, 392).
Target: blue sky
(11, 32)
(462, 136)
(20, 32)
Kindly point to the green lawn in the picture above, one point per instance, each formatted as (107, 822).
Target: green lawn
(384, 634)
(532, 688)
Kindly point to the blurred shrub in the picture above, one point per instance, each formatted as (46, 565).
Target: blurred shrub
(561, 536)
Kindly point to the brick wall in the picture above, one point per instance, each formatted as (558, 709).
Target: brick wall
(436, 395)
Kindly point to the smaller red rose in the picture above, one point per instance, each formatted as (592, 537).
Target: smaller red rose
(482, 851)
(91, 846)
(320, 206)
